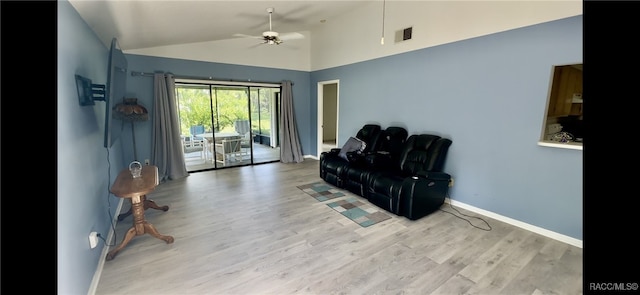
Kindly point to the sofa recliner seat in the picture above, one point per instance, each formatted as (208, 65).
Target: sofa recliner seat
(356, 175)
(416, 185)
(332, 166)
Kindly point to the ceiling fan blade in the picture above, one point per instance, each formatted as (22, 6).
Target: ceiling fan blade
(290, 36)
(255, 45)
(247, 36)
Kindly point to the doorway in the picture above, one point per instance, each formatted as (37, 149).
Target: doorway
(328, 101)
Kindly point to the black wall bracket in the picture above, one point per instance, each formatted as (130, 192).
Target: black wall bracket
(89, 92)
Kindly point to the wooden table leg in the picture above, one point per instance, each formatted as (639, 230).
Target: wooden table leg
(147, 204)
(127, 238)
(140, 227)
(150, 229)
(124, 215)
(151, 204)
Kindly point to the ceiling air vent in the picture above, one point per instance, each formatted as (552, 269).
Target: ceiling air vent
(404, 34)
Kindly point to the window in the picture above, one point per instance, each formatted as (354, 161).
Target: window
(563, 125)
(211, 112)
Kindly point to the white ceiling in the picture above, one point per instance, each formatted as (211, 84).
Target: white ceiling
(203, 30)
(152, 23)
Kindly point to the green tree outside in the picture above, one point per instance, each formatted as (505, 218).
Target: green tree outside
(195, 108)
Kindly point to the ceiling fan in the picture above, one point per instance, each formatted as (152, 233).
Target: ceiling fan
(271, 37)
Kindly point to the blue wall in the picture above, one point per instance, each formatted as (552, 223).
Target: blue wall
(85, 167)
(487, 94)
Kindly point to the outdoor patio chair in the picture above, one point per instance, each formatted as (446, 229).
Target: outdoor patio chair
(228, 150)
(195, 130)
(190, 145)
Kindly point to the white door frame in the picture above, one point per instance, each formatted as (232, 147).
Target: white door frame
(320, 112)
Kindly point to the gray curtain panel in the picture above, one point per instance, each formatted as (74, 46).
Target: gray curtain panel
(290, 150)
(166, 144)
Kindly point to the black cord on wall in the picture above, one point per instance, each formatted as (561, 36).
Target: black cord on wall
(113, 227)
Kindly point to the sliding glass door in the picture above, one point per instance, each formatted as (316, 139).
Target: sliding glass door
(228, 125)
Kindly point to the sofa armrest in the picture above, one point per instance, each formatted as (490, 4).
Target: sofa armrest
(436, 176)
(335, 150)
(423, 193)
(329, 154)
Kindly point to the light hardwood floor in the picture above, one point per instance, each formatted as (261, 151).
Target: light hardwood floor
(249, 230)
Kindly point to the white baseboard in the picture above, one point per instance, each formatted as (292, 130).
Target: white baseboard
(311, 157)
(105, 251)
(545, 232)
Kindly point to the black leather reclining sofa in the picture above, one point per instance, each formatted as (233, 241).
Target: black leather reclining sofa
(400, 173)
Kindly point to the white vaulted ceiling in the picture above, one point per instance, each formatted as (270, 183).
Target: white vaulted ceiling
(152, 23)
(336, 32)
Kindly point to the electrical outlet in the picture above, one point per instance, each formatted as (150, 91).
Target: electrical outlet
(451, 182)
(146, 161)
(93, 239)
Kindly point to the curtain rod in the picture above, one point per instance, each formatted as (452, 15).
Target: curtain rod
(133, 73)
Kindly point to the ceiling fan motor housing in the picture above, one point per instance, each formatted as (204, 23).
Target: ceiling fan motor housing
(271, 37)
(270, 34)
